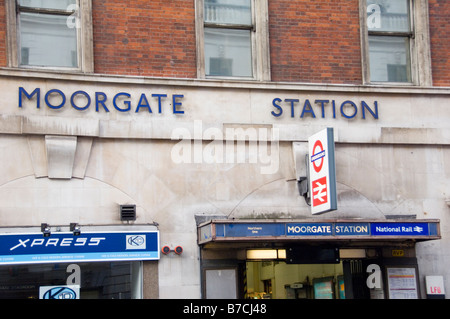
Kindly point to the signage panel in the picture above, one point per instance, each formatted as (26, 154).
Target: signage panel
(59, 292)
(250, 230)
(309, 229)
(312, 255)
(352, 229)
(325, 229)
(435, 286)
(402, 283)
(65, 247)
(322, 174)
(399, 229)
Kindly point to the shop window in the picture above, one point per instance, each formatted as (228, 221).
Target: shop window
(395, 41)
(102, 280)
(232, 39)
(53, 34)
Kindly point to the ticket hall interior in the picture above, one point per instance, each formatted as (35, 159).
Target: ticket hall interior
(321, 272)
(265, 267)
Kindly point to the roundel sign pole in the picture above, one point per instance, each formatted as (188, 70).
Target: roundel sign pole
(322, 172)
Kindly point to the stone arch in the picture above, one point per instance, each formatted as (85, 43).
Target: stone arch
(86, 201)
(280, 199)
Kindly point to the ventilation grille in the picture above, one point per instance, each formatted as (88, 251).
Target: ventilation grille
(127, 212)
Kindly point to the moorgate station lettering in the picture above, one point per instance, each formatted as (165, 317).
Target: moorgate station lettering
(81, 100)
(152, 103)
(324, 108)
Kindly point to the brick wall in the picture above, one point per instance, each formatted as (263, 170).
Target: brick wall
(315, 41)
(141, 37)
(3, 58)
(439, 11)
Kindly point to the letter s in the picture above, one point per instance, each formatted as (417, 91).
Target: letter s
(280, 109)
(95, 241)
(80, 241)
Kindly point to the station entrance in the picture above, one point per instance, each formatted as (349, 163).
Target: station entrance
(259, 276)
(319, 266)
(279, 280)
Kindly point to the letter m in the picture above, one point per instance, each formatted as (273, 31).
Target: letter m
(36, 91)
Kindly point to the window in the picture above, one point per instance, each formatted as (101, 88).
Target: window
(396, 41)
(52, 34)
(232, 39)
(228, 44)
(99, 280)
(390, 31)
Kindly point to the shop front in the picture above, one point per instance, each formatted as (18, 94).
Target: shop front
(312, 259)
(76, 263)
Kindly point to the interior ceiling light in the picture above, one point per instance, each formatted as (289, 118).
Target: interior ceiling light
(266, 254)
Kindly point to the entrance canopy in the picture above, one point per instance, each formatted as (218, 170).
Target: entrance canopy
(216, 231)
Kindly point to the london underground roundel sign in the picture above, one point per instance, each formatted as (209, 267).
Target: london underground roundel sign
(322, 173)
(317, 156)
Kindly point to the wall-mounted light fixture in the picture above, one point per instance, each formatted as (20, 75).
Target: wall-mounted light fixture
(177, 250)
(258, 254)
(165, 250)
(45, 229)
(75, 229)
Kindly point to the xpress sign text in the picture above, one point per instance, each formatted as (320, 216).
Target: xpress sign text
(89, 246)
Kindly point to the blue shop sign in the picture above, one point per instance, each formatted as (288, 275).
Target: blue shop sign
(65, 247)
(251, 230)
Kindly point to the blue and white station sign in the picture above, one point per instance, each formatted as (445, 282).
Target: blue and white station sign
(90, 246)
(400, 229)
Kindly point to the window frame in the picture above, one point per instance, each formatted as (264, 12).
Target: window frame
(259, 33)
(85, 50)
(419, 45)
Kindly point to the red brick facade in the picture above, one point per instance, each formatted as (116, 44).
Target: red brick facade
(152, 38)
(3, 54)
(310, 41)
(439, 11)
(315, 41)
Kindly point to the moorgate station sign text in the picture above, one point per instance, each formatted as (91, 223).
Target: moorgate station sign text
(158, 103)
(326, 230)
